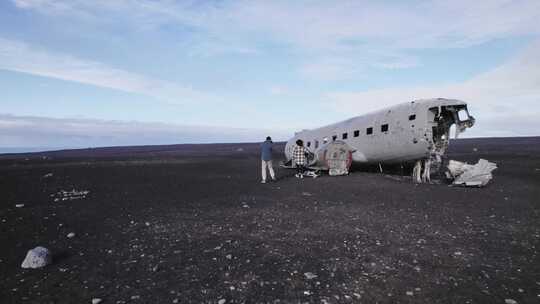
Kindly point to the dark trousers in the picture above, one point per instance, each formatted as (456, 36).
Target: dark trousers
(300, 169)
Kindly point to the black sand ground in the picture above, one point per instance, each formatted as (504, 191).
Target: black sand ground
(193, 224)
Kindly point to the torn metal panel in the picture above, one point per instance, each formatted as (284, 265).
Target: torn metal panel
(471, 175)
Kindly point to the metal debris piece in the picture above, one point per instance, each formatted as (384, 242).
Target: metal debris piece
(470, 175)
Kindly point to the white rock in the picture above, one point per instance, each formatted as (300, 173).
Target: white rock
(71, 235)
(37, 258)
(410, 293)
(310, 275)
(96, 300)
(510, 301)
(228, 256)
(19, 205)
(222, 301)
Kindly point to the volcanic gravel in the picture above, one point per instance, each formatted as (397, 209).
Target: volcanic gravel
(193, 224)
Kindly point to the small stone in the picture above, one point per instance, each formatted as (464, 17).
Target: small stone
(175, 301)
(19, 205)
(96, 300)
(510, 301)
(410, 293)
(37, 258)
(228, 256)
(222, 301)
(71, 235)
(135, 297)
(310, 275)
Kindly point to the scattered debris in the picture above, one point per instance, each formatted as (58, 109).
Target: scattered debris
(470, 175)
(310, 275)
(37, 258)
(19, 205)
(71, 235)
(96, 300)
(63, 195)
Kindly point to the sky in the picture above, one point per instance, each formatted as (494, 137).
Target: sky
(79, 73)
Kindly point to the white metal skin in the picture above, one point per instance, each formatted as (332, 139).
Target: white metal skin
(416, 131)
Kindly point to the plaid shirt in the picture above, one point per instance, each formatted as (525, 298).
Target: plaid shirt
(299, 155)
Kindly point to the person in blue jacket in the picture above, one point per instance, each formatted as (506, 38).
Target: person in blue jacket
(266, 158)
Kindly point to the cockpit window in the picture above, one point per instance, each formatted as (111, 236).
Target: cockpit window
(463, 116)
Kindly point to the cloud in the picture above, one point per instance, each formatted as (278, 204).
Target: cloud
(20, 57)
(360, 31)
(501, 99)
(45, 132)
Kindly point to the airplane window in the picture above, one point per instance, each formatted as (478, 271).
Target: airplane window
(316, 144)
(369, 130)
(384, 128)
(356, 133)
(309, 144)
(462, 114)
(334, 137)
(344, 136)
(412, 117)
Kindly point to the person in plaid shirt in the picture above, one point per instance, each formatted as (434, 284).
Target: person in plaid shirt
(299, 158)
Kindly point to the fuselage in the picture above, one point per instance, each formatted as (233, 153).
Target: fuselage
(404, 132)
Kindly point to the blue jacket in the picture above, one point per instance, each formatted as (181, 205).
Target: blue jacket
(266, 150)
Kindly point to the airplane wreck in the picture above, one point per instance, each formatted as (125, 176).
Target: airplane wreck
(417, 132)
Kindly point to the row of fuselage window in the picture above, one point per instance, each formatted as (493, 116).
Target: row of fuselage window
(356, 133)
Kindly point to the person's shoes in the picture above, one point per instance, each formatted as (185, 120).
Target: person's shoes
(263, 182)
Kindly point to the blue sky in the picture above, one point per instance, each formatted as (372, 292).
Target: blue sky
(188, 71)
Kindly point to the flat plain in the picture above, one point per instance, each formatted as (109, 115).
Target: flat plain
(193, 224)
